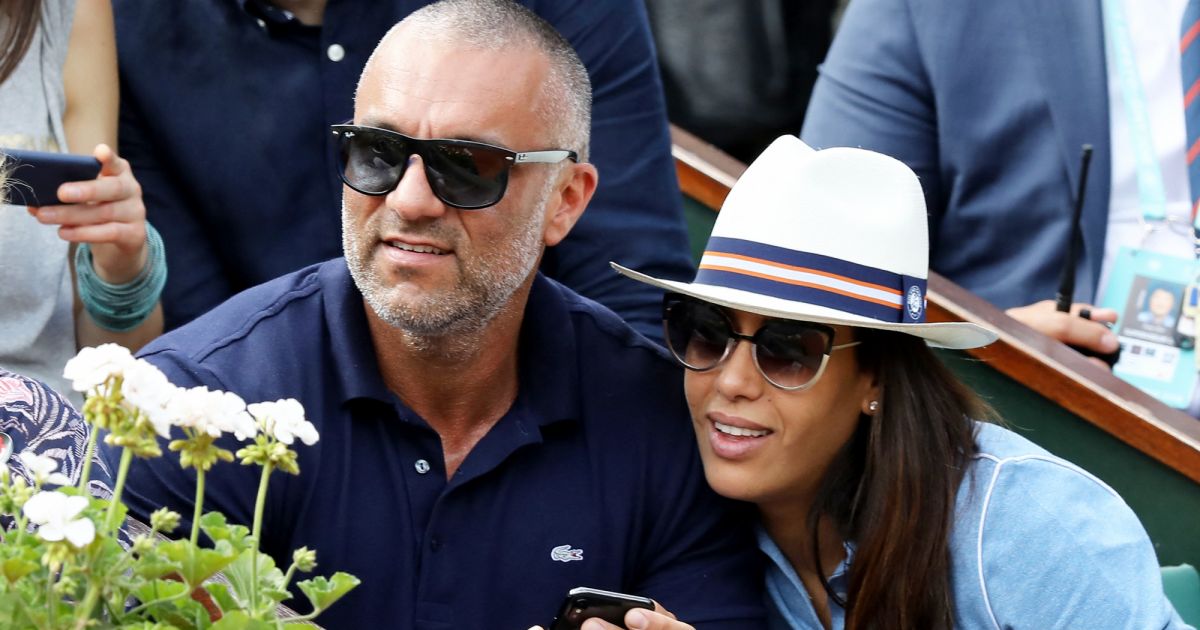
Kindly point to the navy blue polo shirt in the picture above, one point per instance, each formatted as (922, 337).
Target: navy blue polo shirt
(225, 114)
(592, 478)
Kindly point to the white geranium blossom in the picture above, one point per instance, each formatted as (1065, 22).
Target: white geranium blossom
(54, 513)
(148, 389)
(42, 468)
(285, 420)
(93, 366)
(211, 412)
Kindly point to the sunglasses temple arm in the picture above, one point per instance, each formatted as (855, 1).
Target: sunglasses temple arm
(545, 157)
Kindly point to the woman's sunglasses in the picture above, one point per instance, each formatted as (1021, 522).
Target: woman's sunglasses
(790, 354)
(462, 174)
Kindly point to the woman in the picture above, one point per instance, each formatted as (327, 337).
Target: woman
(36, 421)
(59, 92)
(885, 500)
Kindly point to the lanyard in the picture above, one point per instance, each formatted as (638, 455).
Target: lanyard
(1151, 191)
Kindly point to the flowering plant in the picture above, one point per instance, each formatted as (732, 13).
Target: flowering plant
(63, 565)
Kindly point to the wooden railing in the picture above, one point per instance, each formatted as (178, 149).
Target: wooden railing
(1041, 364)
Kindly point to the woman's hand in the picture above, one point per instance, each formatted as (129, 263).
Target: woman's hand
(106, 212)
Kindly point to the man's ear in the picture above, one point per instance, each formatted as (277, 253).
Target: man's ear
(568, 201)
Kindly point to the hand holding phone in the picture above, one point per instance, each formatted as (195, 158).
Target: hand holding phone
(34, 176)
(101, 206)
(584, 603)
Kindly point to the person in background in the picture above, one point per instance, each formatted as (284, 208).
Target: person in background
(224, 115)
(64, 268)
(38, 427)
(739, 74)
(886, 499)
(991, 102)
(489, 439)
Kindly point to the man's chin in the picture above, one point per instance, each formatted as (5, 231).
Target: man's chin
(429, 316)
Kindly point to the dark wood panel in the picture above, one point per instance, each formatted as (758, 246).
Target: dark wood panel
(1043, 365)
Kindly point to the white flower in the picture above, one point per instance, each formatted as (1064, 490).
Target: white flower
(211, 412)
(93, 366)
(55, 512)
(285, 420)
(148, 389)
(42, 468)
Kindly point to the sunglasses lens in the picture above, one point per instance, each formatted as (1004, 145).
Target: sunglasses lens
(790, 354)
(373, 163)
(467, 176)
(697, 333)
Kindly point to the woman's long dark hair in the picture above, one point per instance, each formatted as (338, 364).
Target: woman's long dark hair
(891, 490)
(21, 18)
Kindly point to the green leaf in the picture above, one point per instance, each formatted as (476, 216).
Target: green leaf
(10, 603)
(101, 506)
(222, 596)
(155, 565)
(270, 578)
(181, 612)
(214, 525)
(17, 568)
(107, 553)
(197, 565)
(158, 589)
(323, 593)
(239, 620)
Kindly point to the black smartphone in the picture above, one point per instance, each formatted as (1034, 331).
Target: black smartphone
(34, 176)
(585, 603)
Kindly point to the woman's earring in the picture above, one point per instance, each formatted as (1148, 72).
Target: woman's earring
(873, 407)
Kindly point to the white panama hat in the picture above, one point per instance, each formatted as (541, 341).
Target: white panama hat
(836, 236)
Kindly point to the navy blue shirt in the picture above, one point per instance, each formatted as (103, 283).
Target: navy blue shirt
(592, 478)
(225, 108)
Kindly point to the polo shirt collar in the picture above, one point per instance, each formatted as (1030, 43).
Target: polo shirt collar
(549, 355)
(547, 351)
(354, 364)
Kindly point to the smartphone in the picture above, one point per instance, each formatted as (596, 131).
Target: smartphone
(584, 603)
(34, 176)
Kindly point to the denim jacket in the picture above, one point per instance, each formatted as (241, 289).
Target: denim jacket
(1037, 542)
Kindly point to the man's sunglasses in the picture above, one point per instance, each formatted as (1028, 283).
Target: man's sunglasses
(462, 174)
(790, 354)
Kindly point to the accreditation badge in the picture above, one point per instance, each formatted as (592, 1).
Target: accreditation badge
(1157, 334)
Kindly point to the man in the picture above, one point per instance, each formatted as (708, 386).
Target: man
(991, 102)
(242, 142)
(489, 439)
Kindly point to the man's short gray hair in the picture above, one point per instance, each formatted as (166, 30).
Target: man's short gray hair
(503, 24)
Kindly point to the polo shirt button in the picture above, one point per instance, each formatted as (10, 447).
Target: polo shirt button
(335, 52)
(422, 466)
(435, 543)
(261, 23)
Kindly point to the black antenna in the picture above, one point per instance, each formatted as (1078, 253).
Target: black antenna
(1066, 282)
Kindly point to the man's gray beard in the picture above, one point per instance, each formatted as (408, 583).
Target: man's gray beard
(484, 288)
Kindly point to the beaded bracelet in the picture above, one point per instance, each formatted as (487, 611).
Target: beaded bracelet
(122, 307)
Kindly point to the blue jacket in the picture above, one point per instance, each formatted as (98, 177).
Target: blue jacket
(989, 102)
(1037, 542)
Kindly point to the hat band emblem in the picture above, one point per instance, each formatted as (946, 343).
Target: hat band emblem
(811, 278)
